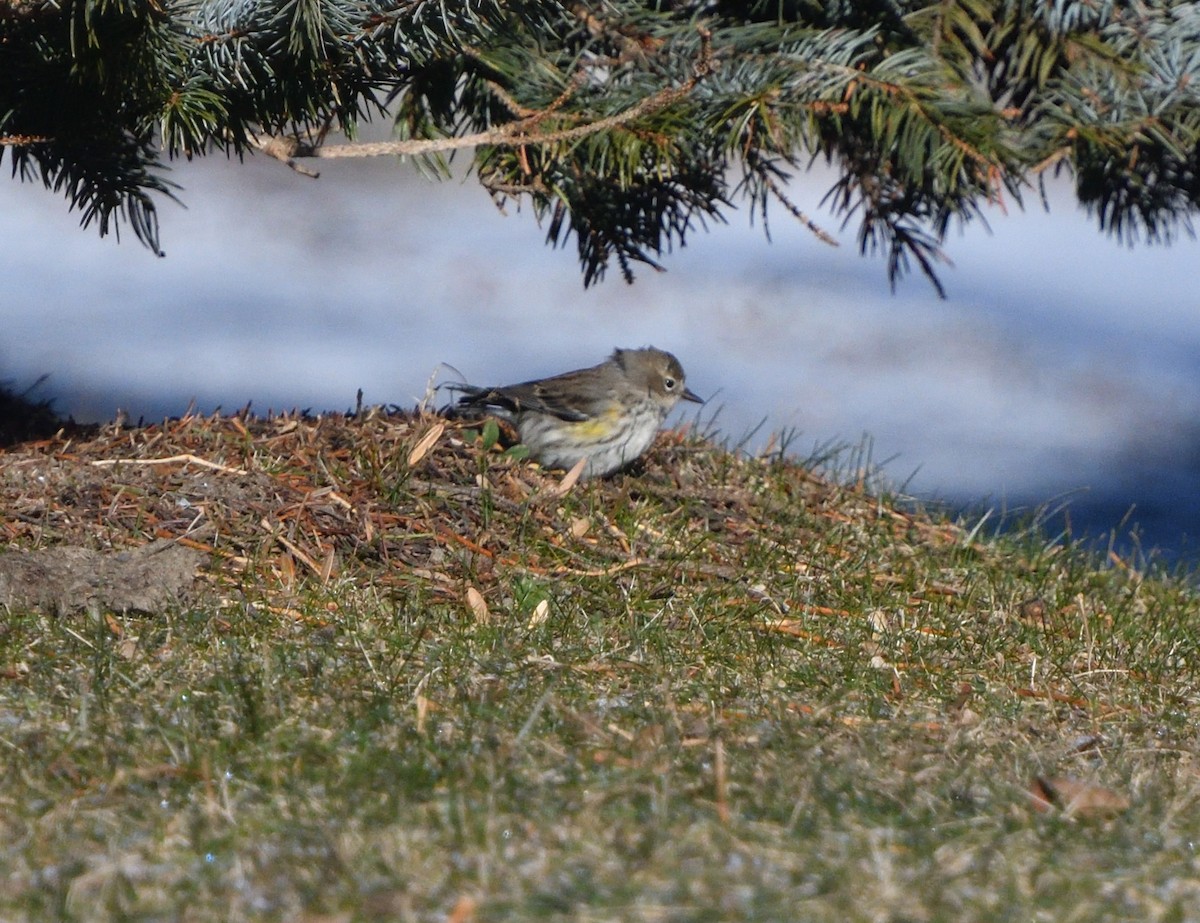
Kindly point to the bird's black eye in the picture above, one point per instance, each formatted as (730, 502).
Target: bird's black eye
(669, 383)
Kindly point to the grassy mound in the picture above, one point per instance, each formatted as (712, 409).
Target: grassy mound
(416, 679)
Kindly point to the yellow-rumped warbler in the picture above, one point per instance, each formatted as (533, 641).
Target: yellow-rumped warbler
(608, 414)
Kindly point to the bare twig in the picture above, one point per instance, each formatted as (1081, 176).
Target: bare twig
(173, 460)
(22, 140)
(633, 47)
(821, 234)
(287, 148)
(514, 134)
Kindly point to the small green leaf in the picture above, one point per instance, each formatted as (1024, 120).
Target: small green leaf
(491, 434)
(528, 592)
(518, 451)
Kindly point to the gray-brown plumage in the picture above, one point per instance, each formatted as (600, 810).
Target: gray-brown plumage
(608, 414)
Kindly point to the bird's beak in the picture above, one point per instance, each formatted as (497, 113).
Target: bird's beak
(690, 395)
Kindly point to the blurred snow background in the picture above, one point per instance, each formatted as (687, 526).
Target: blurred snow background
(1061, 364)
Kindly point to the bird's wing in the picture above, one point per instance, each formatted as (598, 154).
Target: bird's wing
(547, 395)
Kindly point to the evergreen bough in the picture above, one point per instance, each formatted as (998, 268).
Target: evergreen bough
(627, 124)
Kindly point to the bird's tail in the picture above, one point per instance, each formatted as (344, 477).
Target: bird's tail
(477, 402)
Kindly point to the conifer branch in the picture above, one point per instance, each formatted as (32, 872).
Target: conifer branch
(621, 122)
(523, 131)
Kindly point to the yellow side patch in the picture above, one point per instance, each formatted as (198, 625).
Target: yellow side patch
(597, 427)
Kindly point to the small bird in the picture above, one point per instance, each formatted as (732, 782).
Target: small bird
(608, 414)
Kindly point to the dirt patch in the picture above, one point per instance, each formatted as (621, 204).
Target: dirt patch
(67, 579)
